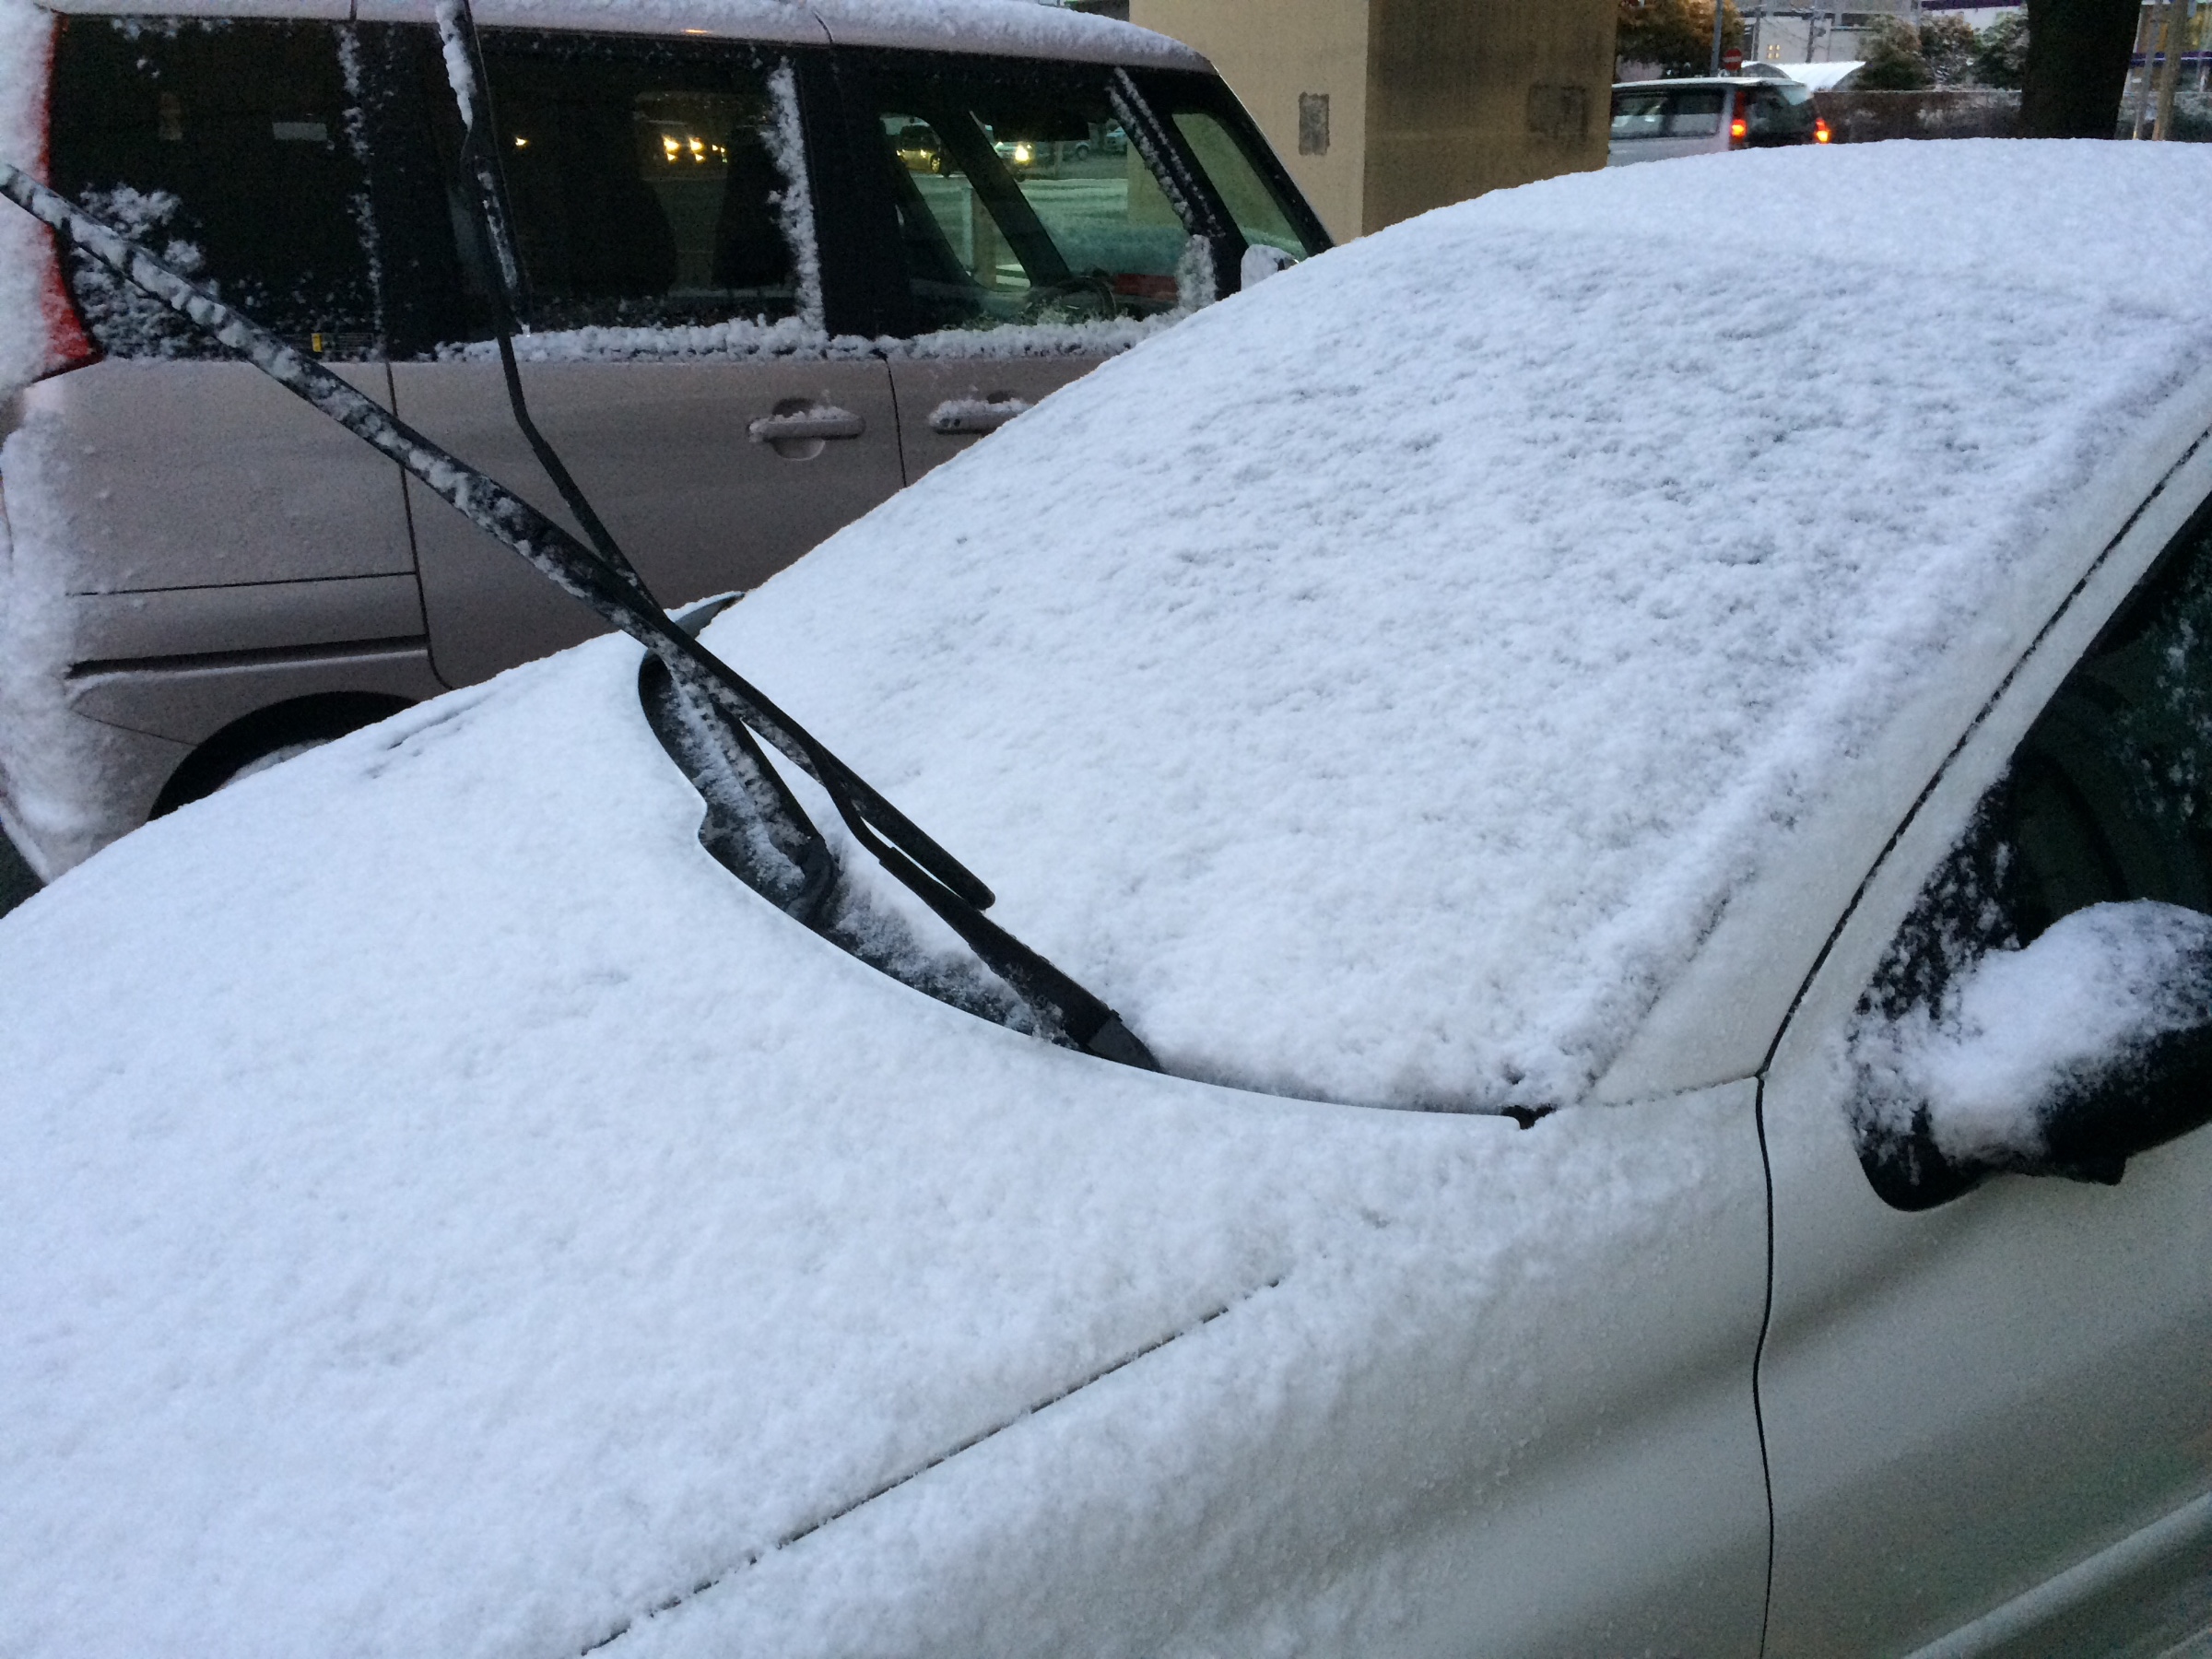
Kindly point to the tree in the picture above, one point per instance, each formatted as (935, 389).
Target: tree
(1891, 48)
(2001, 51)
(1675, 34)
(1948, 45)
(2077, 66)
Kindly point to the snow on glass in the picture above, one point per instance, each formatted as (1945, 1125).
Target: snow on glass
(1389, 711)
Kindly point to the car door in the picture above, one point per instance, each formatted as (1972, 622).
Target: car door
(677, 360)
(1989, 1416)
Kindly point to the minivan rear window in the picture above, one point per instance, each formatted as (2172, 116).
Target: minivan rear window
(1781, 112)
(227, 146)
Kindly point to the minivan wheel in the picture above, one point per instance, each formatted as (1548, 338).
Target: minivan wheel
(267, 736)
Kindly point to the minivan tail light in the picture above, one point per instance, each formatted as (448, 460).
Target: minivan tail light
(1739, 131)
(67, 342)
(1820, 132)
(68, 346)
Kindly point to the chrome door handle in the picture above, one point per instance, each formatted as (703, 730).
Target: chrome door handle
(824, 421)
(968, 416)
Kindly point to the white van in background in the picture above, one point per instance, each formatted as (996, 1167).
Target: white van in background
(779, 262)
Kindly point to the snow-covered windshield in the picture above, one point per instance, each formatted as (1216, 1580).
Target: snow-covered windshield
(1381, 683)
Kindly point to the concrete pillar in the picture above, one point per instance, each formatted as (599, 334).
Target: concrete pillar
(1384, 109)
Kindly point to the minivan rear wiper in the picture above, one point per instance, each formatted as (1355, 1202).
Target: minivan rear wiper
(783, 856)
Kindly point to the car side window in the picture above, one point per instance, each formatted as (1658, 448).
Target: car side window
(1019, 197)
(1639, 114)
(1225, 153)
(229, 147)
(1694, 114)
(652, 184)
(2106, 803)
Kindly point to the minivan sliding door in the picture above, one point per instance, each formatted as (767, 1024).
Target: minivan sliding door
(676, 357)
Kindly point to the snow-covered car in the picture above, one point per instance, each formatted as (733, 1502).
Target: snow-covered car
(1680, 1052)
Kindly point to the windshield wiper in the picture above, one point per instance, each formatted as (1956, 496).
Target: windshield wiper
(779, 852)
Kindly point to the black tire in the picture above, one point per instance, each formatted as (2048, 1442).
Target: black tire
(266, 733)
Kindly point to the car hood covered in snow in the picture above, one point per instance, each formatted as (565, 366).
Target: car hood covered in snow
(440, 1212)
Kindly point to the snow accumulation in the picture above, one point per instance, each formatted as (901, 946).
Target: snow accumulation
(440, 1212)
(25, 260)
(1000, 26)
(1406, 661)
(2024, 1030)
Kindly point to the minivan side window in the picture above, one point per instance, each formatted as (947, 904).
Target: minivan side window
(1236, 164)
(653, 184)
(1018, 196)
(1694, 114)
(228, 146)
(1639, 114)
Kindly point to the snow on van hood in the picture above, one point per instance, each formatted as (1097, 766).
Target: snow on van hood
(441, 1213)
(1376, 687)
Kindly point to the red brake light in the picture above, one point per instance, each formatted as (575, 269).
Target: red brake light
(1738, 130)
(67, 344)
(1820, 132)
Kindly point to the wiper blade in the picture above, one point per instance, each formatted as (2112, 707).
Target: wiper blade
(784, 854)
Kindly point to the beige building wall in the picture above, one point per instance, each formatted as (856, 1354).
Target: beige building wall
(1428, 102)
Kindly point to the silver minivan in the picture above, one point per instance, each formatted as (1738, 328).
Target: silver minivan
(779, 260)
(1654, 121)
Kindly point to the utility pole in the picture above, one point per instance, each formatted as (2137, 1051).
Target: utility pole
(2170, 73)
(1720, 11)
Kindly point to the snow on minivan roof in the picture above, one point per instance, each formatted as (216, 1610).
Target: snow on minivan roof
(1026, 27)
(1380, 684)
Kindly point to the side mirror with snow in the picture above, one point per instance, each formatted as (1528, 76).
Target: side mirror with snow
(2065, 1058)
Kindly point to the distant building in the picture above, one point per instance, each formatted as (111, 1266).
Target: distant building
(1817, 34)
(1384, 109)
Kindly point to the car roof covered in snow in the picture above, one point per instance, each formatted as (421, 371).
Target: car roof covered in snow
(442, 1212)
(1024, 28)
